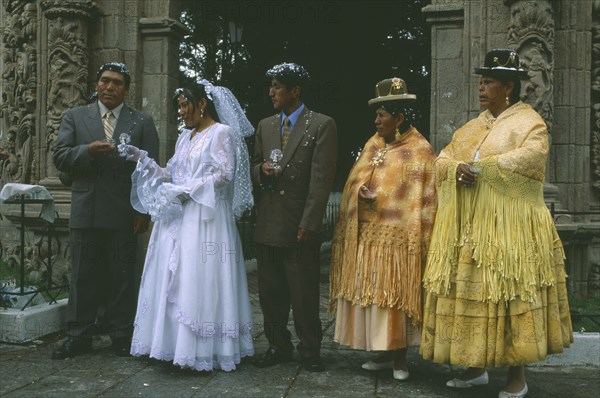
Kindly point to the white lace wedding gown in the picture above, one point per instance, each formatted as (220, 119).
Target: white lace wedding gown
(193, 306)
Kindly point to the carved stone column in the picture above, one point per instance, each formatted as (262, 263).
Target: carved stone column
(531, 33)
(65, 57)
(19, 92)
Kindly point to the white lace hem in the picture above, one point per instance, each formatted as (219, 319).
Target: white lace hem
(224, 363)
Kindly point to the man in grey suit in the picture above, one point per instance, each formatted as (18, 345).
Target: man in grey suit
(103, 224)
(292, 197)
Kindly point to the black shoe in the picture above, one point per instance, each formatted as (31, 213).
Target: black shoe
(121, 347)
(272, 357)
(312, 364)
(72, 347)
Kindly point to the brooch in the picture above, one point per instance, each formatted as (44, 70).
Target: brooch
(379, 156)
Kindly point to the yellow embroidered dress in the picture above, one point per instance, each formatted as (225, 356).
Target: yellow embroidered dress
(495, 278)
(378, 251)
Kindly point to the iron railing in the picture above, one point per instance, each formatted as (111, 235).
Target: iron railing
(52, 291)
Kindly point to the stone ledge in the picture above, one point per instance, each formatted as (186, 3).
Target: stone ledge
(444, 13)
(585, 351)
(18, 326)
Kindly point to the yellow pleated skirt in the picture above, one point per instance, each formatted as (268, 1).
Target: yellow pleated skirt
(460, 329)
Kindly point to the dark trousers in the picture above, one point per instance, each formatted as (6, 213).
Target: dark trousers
(289, 276)
(103, 294)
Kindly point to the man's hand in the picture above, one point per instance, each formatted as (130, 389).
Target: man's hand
(140, 224)
(100, 148)
(304, 235)
(269, 169)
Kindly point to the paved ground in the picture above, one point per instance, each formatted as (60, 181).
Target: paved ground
(28, 371)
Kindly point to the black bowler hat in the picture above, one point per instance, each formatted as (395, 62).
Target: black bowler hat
(502, 62)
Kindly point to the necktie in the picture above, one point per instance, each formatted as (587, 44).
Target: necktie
(286, 133)
(109, 127)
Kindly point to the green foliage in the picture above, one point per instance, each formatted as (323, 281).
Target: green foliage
(585, 306)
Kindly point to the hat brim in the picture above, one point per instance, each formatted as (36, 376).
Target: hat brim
(397, 97)
(502, 71)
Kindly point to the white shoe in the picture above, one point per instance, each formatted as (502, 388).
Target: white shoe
(378, 365)
(480, 380)
(400, 374)
(520, 394)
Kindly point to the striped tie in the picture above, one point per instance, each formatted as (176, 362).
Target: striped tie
(286, 133)
(109, 127)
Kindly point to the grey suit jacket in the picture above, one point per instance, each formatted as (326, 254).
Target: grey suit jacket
(300, 193)
(101, 188)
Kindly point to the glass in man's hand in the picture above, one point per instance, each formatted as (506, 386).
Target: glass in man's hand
(274, 159)
(273, 165)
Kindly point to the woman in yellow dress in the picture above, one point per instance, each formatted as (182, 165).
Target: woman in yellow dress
(495, 278)
(380, 242)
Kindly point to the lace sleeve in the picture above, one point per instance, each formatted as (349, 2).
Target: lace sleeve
(152, 191)
(215, 171)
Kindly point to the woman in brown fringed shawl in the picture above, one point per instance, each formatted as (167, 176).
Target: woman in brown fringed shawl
(495, 276)
(381, 238)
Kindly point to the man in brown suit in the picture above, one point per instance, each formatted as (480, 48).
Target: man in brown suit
(292, 197)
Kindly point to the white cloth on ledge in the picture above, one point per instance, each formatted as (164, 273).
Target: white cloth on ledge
(13, 191)
(193, 306)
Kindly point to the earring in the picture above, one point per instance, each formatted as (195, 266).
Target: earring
(201, 112)
(507, 101)
(397, 135)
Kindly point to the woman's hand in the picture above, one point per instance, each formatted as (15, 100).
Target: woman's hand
(464, 175)
(365, 195)
(129, 152)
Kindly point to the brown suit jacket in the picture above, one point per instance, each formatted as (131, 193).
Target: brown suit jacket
(300, 193)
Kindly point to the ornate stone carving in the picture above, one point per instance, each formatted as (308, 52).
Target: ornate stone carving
(531, 33)
(80, 9)
(595, 96)
(67, 76)
(36, 260)
(67, 64)
(19, 91)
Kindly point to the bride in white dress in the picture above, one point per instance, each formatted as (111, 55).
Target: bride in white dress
(193, 306)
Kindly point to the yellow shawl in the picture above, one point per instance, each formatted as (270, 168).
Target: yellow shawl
(378, 250)
(501, 224)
